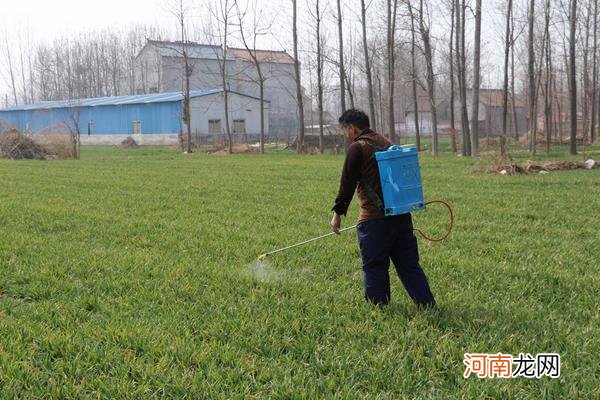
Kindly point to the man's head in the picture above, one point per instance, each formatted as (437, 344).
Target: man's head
(353, 122)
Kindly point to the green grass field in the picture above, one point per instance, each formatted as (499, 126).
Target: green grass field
(129, 274)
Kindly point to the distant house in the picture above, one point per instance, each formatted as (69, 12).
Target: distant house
(160, 68)
(424, 113)
(491, 112)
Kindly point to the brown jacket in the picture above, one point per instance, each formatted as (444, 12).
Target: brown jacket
(360, 169)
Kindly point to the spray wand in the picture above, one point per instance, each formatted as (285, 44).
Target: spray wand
(265, 255)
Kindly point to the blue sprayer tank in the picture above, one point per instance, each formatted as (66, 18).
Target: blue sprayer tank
(400, 180)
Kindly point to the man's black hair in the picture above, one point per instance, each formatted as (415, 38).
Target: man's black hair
(355, 117)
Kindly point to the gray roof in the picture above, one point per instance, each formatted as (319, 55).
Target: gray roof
(194, 50)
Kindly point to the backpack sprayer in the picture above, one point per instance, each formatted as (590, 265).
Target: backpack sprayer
(400, 178)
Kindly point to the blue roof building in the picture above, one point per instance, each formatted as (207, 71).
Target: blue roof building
(151, 114)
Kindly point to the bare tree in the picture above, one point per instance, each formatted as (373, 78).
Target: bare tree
(180, 13)
(300, 144)
(594, 73)
(452, 90)
(532, 79)
(319, 44)
(363, 12)
(11, 70)
(392, 9)
(413, 71)
(572, 75)
(256, 32)
(512, 78)
(462, 79)
(221, 14)
(74, 128)
(507, 46)
(341, 56)
(476, 79)
(548, 82)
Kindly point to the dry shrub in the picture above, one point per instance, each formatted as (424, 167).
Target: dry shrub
(59, 145)
(541, 139)
(129, 143)
(237, 149)
(16, 146)
(6, 126)
(491, 161)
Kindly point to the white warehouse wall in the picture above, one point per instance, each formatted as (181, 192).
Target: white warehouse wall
(209, 107)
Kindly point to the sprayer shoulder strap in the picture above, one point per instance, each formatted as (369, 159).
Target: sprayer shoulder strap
(371, 193)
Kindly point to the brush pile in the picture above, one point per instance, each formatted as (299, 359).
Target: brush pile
(236, 149)
(16, 146)
(531, 167)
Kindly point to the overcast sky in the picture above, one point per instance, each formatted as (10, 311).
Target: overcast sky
(34, 21)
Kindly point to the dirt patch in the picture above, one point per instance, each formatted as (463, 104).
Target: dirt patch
(129, 143)
(17, 146)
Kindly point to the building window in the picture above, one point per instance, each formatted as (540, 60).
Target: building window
(239, 126)
(153, 89)
(214, 126)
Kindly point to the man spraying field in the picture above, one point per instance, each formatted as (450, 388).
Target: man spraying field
(380, 238)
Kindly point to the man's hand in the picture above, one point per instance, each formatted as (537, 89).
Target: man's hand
(336, 223)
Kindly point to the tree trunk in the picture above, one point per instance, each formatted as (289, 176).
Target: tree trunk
(299, 99)
(532, 80)
(594, 74)
(372, 115)
(461, 55)
(476, 79)
(430, 78)
(515, 120)
(414, 81)
(586, 71)
(572, 76)
(548, 87)
(392, 8)
(224, 76)
(341, 57)
(262, 114)
(507, 46)
(452, 94)
(187, 72)
(319, 77)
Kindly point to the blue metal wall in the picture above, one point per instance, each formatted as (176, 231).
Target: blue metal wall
(157, 117)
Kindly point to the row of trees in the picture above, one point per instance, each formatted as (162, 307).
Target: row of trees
(385, 56)
(454, 70)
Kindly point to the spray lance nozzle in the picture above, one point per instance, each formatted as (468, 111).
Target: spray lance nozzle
(263, 256)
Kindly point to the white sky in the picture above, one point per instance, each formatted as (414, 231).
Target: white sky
(46, 19)
(34, 21)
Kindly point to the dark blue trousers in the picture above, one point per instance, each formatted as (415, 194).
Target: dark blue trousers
(392, 238)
